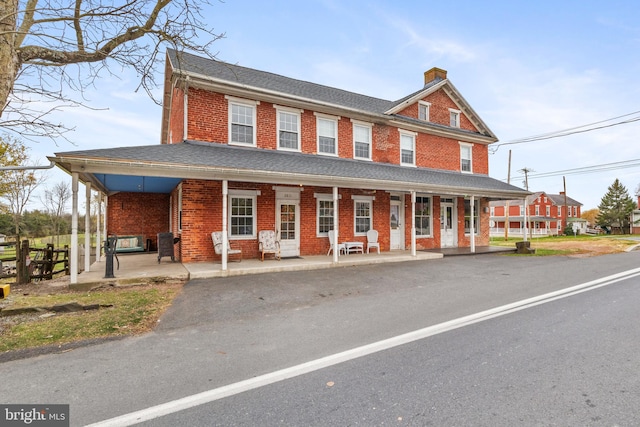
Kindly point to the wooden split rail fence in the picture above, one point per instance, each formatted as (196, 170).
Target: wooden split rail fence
(33, 264)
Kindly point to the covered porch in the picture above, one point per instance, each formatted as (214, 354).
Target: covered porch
(263, 177)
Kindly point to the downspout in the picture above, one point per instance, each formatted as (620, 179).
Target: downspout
(185, 108)
(21, 168)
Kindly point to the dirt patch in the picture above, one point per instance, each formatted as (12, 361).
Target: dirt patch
(585, 248)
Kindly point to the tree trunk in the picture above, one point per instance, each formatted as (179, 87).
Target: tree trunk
(9, 60)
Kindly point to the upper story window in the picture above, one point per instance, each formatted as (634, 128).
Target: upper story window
(327, 130)
(242, 122)
(288, 129)
(465, 157)
(407, 148)
(454, 118)
(423, 110)
(548, 211)
(537, 210)
(361, 141)
(521, 210)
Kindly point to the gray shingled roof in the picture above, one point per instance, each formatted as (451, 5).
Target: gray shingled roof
(249, 160)
(218, 70)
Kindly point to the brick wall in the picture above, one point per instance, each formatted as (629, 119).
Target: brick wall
(145, 214)
(208, 121)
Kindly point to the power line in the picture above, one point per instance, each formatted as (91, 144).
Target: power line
(585, 170)
(569, 131)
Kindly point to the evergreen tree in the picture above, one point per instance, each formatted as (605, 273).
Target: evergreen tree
(615, 208)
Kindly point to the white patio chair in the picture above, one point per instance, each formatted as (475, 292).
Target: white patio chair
(372, 240)
(342, 248)
(267, 243)
(216, 237)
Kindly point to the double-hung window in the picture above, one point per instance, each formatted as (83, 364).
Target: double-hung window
(423, 216)
(325, 216)
(363, 214)
(423, 111)
(454, 118)
(465, 157)
(467, 216)
(288, 129)
(407, 148)
(242, 122)
(361, 141)
(327, 129)
(242, 214)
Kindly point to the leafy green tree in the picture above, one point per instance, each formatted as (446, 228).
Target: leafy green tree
(615, 208)
(16, 186)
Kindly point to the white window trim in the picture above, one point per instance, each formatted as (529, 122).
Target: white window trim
(424, 196)
(322, 198)
(368, 199)
(413, 136)
(247, 194)
(298, 113)
(470, 146)
(247, 103)
(369, 126)
(428, 108)
(458, 113)
(327, 117)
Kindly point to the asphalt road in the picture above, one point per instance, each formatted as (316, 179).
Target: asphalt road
(227, 330)
(570, 362)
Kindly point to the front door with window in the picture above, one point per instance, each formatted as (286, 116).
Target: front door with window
(448, 222)
(396, 219)
(288, 223)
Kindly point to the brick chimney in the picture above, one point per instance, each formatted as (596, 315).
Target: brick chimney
(433, 74)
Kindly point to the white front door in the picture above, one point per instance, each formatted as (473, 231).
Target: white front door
(448, 222)
(288, 224)
(396, 220)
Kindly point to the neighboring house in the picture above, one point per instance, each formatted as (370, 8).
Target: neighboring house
(635, 219)
(546, 214)
(245, 150)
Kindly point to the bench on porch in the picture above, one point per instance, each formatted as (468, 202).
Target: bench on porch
(130, 244)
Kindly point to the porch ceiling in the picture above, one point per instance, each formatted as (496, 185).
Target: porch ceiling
(137, 184)
(159, 168)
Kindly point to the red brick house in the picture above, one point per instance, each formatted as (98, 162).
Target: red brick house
(546, 214)
(245, 150)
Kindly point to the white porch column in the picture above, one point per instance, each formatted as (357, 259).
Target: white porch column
(73, 256)
(525, 219)
(104, 222)
(98, 235)
(87, 228)
(473, 225)
(225, 236)
(413, 223)
(336, 252)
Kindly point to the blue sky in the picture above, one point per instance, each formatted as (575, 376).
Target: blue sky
(527, 68)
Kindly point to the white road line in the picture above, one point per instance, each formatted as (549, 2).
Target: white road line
(334, 359)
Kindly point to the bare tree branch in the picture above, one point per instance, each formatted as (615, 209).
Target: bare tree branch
(50, 49)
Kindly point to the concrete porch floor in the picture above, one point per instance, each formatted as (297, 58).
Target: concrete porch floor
(144, 267)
